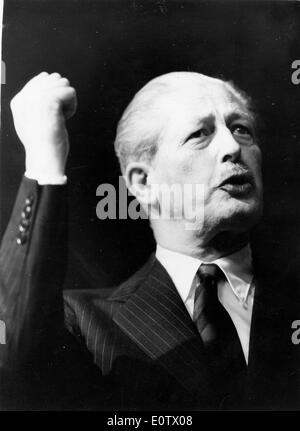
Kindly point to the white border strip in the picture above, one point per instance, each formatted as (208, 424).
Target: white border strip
(2, 70)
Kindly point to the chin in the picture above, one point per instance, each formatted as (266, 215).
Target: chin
(236, 214)
(243, 215)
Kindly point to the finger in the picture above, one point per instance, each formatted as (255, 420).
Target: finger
(54, 76)
(36, 79)
(42, 75)
(71, 107)
(68, 98)
(62, 82)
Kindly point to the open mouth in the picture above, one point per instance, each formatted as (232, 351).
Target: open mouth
(238, 184)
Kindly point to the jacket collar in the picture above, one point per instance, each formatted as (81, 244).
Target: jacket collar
(237, 268)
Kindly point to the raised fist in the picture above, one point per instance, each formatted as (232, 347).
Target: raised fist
(39, 111)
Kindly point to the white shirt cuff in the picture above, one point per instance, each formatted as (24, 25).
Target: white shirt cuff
(47, 179)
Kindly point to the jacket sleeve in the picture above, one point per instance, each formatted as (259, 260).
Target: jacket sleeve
(42, 365)
(32, 266)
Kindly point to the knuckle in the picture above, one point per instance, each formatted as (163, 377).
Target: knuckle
(65, 81)
(55, 75)
(36, 79)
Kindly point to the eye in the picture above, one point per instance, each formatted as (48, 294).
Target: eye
(201, 133)
(241, 130)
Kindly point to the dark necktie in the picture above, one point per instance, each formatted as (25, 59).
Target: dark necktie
(218, 333)
(206, 303)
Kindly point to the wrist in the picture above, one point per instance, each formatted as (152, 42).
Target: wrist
(46, 179)
(46, 164)
(48, 170)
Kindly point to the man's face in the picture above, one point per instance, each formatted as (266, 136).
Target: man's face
(208, 139)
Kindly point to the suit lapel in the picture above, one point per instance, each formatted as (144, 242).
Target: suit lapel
(155, 318)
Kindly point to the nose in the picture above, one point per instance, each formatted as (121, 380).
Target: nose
(228, 148)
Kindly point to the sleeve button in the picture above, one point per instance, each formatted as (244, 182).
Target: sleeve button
(24, 223)
(21, 239)
(26, 213)
(29, 200)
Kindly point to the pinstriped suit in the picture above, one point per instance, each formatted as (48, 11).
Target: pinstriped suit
(132, 347)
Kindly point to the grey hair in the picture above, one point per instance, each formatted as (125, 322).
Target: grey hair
(139, 129)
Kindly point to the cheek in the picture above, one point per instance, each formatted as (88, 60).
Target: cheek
(185, 167)
(174, 167)
(252, 158)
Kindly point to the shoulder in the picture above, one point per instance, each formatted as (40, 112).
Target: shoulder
(128, 287)
(81, 304)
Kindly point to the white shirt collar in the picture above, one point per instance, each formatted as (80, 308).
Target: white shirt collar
(182, 269)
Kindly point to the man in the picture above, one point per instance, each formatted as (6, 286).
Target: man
(200, 326)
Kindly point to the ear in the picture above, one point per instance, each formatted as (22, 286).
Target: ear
(137, 181)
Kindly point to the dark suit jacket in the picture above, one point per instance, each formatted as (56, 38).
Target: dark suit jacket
(132, 347)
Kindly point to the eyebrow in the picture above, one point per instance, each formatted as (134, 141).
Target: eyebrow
(238, 115)
(235, 115)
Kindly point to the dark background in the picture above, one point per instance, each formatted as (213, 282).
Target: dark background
(108, 50)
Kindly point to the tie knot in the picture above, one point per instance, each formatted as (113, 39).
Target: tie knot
(209, 274)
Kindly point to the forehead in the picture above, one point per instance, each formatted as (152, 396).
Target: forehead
(195, 100)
